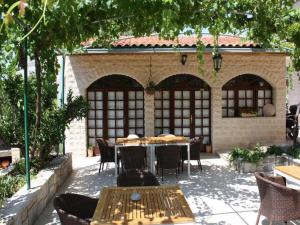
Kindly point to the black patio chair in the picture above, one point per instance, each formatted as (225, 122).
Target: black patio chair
(136, 178)
(196, 146)
(74, 209)
(168, 158)
(133, 157)
(107, 153)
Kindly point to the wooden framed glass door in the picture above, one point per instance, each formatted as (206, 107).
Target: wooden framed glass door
(116, 108)
(182, 107)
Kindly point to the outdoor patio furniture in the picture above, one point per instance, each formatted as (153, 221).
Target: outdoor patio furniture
(196, 146)
(74, 209)
(168, 158)
(106, 153)
(133, 157)
(157, 205)
(278, 202)
(136, 178)
(291, 173)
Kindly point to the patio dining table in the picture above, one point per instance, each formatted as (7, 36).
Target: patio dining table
(151, 143)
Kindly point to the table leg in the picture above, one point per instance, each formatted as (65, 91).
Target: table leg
(116, 161)
(152, 159)
(189, 164)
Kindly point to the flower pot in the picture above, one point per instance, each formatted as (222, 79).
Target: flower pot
(208, 149)
(249, 167)
(91, 152)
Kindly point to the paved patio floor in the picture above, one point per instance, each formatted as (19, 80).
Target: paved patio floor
(218, 195)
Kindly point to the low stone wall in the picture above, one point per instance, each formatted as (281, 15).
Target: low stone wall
(25, 206)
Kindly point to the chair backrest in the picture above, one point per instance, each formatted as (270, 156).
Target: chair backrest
(133, 157)
(74, 209)
(106, 151)
(136, 178)
(168, 156)
(196, 146)
(278, 202)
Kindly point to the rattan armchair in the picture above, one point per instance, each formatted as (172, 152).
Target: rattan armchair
(133, 157)
(136, 178)
(74, 209)
(107, 153)
(196, 146)
(168, 157)
(278, 202)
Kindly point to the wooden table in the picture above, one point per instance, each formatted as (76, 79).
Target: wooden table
(151, 143)
(291, 173)
(158, 205)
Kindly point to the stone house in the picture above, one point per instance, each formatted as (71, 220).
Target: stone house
(190, 100)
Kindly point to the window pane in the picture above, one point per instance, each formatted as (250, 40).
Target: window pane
(140, 123)
(205, 122)
(186, 104)
(186, 95)
(166, 131)
(132, 104)
(158, 123)
(260, 102)
(224, 103)
(92, 104)
(99, 105)
(177, 113)
(111, 95)
(268, 94)
(120, 105)
(198, 122)
(99, 133)
(140, 113)
(224, 112)
(205, 112)
(242, 103)
(99, 123)
(92, 132)
(139, 104)
(186, 131)
(157, 104)
(206, 104)
(205, 131)
(131, 123)
(230, 103)
(267, 101)
(92, 142)
(111, 123)
(91, 123)
(177, 94)
(197, 94)
(198, 112)
(250, 103)
(186, 122)
(231, 113)
(177, 122)
(166, 94)
(120, 114)
(120, 123)
(205, 94)
(91, 114)
(91, 95)
(157, 95)
(177, 104)
(242, 94)
(249, 94)
(198, 131)
(158, 113)
(120, 133)
(99, 114)
(186, 113)
(166, 122)
(198, 103)
(166, 104)
(140, 95)
(224, 94)
(260, 112)
(158, 131)
(99, 95)
(131, 95)
(206, 140)
(260, 94)
(120, 95)
(111, 104)
(177, 131)
(230, 94)
(111, 114)
(131, 131)
(111, 132)
(166, 113)
(140, 131)
(131, 113)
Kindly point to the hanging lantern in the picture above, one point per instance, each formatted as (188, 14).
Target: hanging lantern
(217, 60)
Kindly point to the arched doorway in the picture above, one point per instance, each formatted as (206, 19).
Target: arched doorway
(116, 108)
(182, 107)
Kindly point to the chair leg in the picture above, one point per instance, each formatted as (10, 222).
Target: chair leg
(162, 174)
(258, 217)
(199, 165)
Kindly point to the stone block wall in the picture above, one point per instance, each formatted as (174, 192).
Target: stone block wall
(25, 206)
(83, 70)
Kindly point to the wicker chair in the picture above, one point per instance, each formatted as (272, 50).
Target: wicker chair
(107, 152)
(133, 157)
(74, 209)
(196, 146)
(278, 202)
(168, 158)
(136, 178)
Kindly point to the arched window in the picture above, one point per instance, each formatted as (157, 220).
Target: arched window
(245, 93)
(182, 107)
(116, 108)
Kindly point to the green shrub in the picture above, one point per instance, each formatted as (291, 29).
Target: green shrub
(275, 150)
(295, 152)
(9, 184)
(252, 155)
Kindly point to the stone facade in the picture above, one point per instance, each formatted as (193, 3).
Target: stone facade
(24, 207)
(82, 70)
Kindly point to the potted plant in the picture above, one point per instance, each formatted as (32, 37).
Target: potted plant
(91, 150)
(248, 113)
(151, 88)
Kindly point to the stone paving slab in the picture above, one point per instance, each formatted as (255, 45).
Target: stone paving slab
(218, 195)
